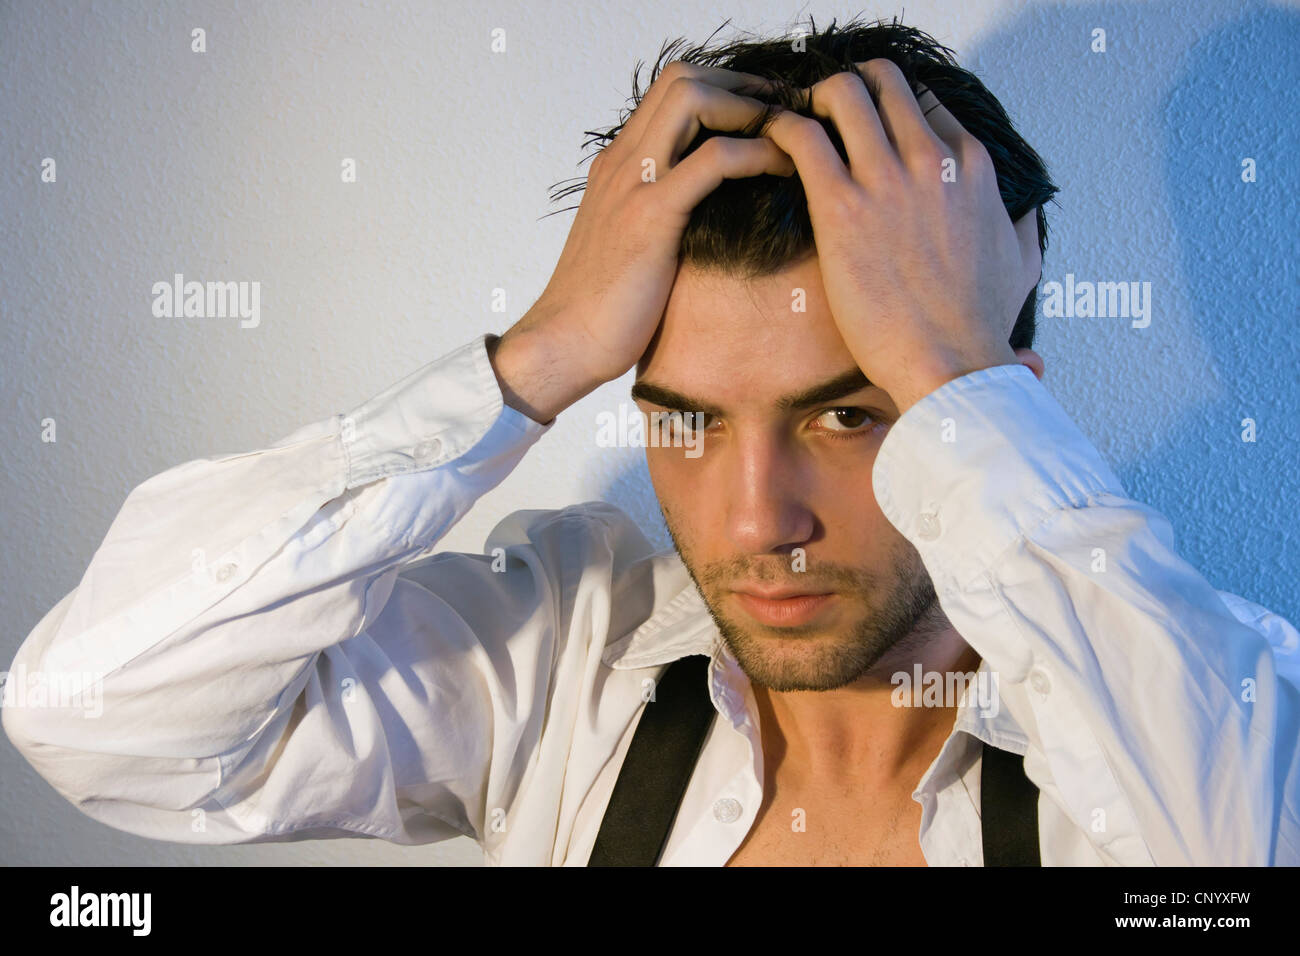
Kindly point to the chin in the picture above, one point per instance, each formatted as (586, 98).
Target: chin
(799, 659)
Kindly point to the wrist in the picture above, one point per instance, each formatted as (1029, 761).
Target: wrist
(931, 372)
(533, 374)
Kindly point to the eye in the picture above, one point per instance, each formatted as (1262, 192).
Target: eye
(848, 422)
(692, 422)
(681, 424)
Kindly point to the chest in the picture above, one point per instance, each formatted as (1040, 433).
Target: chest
(796, 828)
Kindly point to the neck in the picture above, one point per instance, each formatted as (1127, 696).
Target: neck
(856, 733)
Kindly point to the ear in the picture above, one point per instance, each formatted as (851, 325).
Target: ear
(1032, 360)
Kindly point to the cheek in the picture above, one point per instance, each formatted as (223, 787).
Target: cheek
(843, 481)
(676, 482)
(847, 508)
(844, 502)
(686, 495)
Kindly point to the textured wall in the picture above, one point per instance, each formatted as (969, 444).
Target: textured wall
(225, 165)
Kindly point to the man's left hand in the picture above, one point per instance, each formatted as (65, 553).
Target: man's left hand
(924, 271)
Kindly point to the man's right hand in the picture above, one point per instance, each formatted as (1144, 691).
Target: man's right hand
(609, 290)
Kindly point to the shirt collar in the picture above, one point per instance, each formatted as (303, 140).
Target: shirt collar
(682, 626)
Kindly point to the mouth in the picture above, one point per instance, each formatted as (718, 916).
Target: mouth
(784, 608)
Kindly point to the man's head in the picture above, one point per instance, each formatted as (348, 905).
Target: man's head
(780, 501)
(758, 226)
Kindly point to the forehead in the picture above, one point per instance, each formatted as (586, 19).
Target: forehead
(724, 337)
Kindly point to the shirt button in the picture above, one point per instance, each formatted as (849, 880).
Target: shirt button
(962, 861)
(225, 571)
(426, 451)
(1039, 681)
(927, 526)
(727, 810)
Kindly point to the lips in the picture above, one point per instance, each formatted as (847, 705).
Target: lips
(778, 594)
(784, 607)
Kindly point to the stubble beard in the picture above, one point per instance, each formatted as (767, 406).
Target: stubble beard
(898, 613)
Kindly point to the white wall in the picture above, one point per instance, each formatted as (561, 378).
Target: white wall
(225, 165)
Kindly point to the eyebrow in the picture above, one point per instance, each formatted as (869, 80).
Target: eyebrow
(846, 383)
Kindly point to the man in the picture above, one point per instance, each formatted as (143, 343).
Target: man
(885, 497)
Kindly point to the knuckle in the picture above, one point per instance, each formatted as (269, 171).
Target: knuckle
(674, 71)
(974, 154)
(841, 83)
(844, 208)
(801, 126)
(881, 68)
(715, 147)
(929, 153)
(789, 130)
(682, 91)
(725, 149)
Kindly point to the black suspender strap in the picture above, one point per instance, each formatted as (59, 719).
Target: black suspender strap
(667, 743)
(1009, 810)
(658, 765)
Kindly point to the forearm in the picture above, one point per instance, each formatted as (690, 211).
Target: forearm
(202, 613)
(1161, 719)
(538, 367)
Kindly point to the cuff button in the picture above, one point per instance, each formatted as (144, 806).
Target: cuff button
(1040, 682)
(427, 451)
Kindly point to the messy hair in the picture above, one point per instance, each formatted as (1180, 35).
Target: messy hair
(760, 225)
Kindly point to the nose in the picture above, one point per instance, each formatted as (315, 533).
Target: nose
(769, 485)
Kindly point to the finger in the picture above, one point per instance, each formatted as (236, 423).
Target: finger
(900, 114)
(734, 80)
(818, 165)
(687, 106)
(843, 99)
(944, 124)
(722, 157)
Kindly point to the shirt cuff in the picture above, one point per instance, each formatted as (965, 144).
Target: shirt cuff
(977, 463)
(429, 418)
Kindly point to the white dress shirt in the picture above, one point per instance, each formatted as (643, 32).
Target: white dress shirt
(283, 657)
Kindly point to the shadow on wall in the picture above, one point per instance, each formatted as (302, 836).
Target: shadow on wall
(1147, 142)
(1236, 101)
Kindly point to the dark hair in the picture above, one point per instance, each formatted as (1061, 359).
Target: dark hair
(760, 225)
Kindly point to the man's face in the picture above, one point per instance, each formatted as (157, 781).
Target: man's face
(777, 499)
